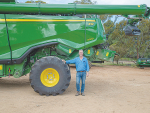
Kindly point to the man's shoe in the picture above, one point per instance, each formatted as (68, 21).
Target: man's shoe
(78, 93)
(83, 94)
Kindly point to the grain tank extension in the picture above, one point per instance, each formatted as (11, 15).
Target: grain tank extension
(35, 37)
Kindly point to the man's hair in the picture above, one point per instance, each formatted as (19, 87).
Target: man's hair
(80, 50)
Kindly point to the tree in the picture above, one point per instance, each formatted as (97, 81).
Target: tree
(39, 1)
(83, 2)
(109, 26)
(131, 46)
(143, 40)
(118, 40)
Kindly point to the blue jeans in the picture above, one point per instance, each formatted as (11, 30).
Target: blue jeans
(80, 76)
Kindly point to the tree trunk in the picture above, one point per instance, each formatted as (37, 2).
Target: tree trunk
(137, 49)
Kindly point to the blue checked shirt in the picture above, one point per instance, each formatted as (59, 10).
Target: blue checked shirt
(81, 65)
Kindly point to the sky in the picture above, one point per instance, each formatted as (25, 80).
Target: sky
(106, 2)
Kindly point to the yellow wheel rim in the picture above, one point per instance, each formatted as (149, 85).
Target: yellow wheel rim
(49, 77)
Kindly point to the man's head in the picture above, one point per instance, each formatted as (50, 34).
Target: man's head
(80, 52)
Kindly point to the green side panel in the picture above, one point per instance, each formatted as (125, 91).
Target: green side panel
(4, 47)
(7, 0)
(64, 50)
(104, 55)
(94, 32)
(24, 35)
(67, 30)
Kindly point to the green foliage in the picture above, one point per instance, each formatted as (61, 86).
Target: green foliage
(83, 2)
(144, 39)
(31, 1)
(130, 46)
(109, 26)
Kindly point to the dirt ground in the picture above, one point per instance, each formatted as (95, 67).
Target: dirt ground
(109, 89)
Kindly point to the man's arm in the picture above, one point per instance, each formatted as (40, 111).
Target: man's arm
(87, 68)
(73, 61)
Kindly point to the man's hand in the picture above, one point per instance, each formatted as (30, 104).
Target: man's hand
(64, 61)
(87, 74)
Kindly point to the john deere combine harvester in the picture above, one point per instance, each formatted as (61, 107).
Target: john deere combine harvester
(35, 37)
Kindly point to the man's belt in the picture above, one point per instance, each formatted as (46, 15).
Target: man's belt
(81, 71)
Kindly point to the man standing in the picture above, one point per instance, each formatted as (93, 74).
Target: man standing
(82, 68)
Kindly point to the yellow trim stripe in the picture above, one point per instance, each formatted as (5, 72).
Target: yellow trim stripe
(36, 20)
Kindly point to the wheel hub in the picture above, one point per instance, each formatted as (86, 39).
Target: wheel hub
(49, 77)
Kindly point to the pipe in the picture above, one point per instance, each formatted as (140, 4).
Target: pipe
(17, 8)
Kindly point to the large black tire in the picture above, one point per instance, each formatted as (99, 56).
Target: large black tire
(59, 66)
(90, 64)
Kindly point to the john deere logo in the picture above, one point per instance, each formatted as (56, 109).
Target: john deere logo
(90, 39)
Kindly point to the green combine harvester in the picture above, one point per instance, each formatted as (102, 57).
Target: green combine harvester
(36, 37)
(143, 62)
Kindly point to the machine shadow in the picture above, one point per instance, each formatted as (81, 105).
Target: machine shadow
(14, 83)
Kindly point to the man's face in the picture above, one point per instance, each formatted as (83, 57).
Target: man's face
(80, 53)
